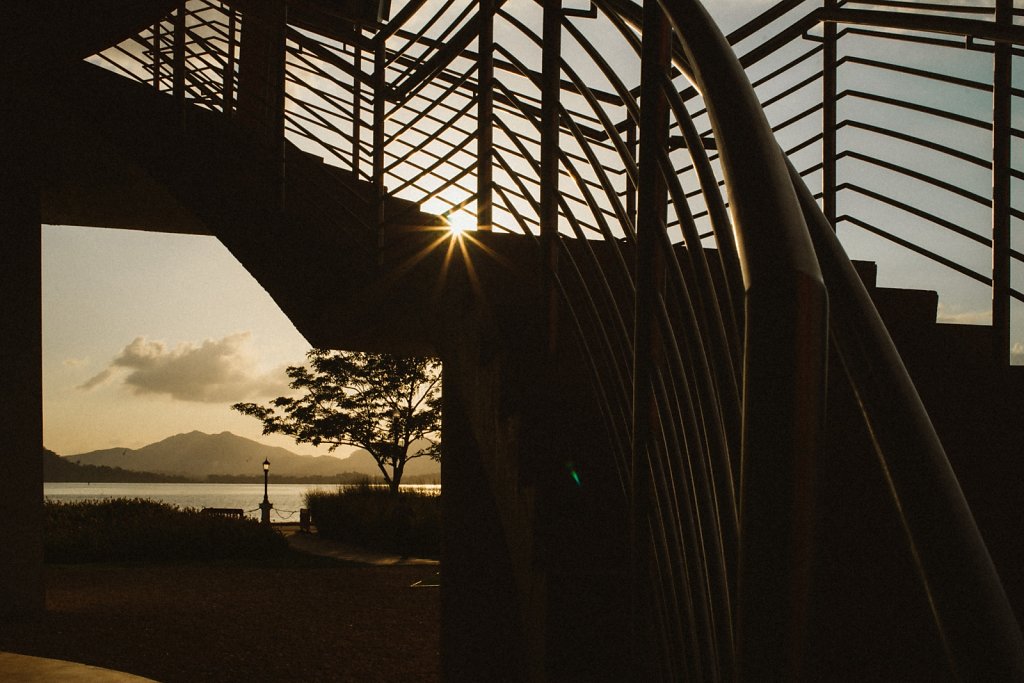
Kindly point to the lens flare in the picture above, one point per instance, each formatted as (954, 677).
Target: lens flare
(461, 221)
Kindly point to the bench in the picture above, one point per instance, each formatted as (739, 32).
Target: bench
(227, 512)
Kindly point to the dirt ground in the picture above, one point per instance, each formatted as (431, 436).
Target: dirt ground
(297, 620)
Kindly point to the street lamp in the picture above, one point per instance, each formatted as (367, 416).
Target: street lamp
(266, 505)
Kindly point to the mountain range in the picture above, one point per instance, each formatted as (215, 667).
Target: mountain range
(197, 455)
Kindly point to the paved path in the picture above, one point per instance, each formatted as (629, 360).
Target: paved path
(25, 669)
(314, 545)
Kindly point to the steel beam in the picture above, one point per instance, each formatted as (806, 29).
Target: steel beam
(229, 69)
(829, 89)
(1002, 104)
(485, 117)
(178, 57)
(911, 21)
(551, 70)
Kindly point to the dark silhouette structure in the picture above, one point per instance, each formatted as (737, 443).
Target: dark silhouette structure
(685, 436)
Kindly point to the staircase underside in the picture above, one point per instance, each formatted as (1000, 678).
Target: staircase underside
(120, 155)
(57, 33)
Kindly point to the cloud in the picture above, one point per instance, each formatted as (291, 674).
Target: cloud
(214, 371)
(75, 362)
(97, 380)
(1017, 354)
(951, 315)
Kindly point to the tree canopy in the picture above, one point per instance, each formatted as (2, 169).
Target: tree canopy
(385, 404)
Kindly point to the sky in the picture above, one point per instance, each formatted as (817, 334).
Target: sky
(146, 335)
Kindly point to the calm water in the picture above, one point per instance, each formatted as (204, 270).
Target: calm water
(287, 498)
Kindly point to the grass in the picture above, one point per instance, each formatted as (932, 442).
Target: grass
(239, 621)
(178, 595)
(136, 530)
(370, 516)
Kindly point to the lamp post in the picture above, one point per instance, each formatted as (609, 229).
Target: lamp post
(266, 505)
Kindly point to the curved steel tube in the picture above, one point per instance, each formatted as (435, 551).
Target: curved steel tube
(727, 551)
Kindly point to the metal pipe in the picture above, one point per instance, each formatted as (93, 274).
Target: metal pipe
(631, 144)
(647, 347)
(784, 359)
(969, 605)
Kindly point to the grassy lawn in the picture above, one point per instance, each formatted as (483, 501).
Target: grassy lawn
(178, 595)
(293, 619)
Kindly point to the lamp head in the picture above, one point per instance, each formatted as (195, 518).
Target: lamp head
(266, 465)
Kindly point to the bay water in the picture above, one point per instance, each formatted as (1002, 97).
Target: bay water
(286, 498)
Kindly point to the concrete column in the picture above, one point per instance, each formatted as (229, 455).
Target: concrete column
(261, 85)
(21, 418)
(481, 633)
(261, 71)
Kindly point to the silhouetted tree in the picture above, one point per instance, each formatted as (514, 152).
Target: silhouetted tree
(384, 404)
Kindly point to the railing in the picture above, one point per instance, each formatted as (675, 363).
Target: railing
(623, 164)
(903, 117)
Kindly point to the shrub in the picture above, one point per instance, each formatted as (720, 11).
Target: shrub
(129, 530)
(369, 516)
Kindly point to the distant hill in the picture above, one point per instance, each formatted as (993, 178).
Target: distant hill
(56, 468)
(198, 456)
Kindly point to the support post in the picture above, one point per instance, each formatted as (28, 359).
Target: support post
(261, 78)
(485, 117)
(379, 112)
(357, 104)
(266, 506)
(647, 344)
(156, 56)
(829, 90)
(481, 628)
(21, 421)
(1001, 144)
(551, 69)
(178, 63)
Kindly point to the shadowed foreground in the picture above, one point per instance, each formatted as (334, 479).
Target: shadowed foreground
(303, 620)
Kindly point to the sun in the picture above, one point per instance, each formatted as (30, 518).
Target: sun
(461, 221)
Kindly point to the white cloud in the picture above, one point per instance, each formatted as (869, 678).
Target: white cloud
(1017, 354)
(75, 362)
(214, 371)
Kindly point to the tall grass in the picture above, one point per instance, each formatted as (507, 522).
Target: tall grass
(132, 530)
(370, 516)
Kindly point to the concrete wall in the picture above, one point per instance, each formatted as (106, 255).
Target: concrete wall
(21, 418)
(535, 560)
